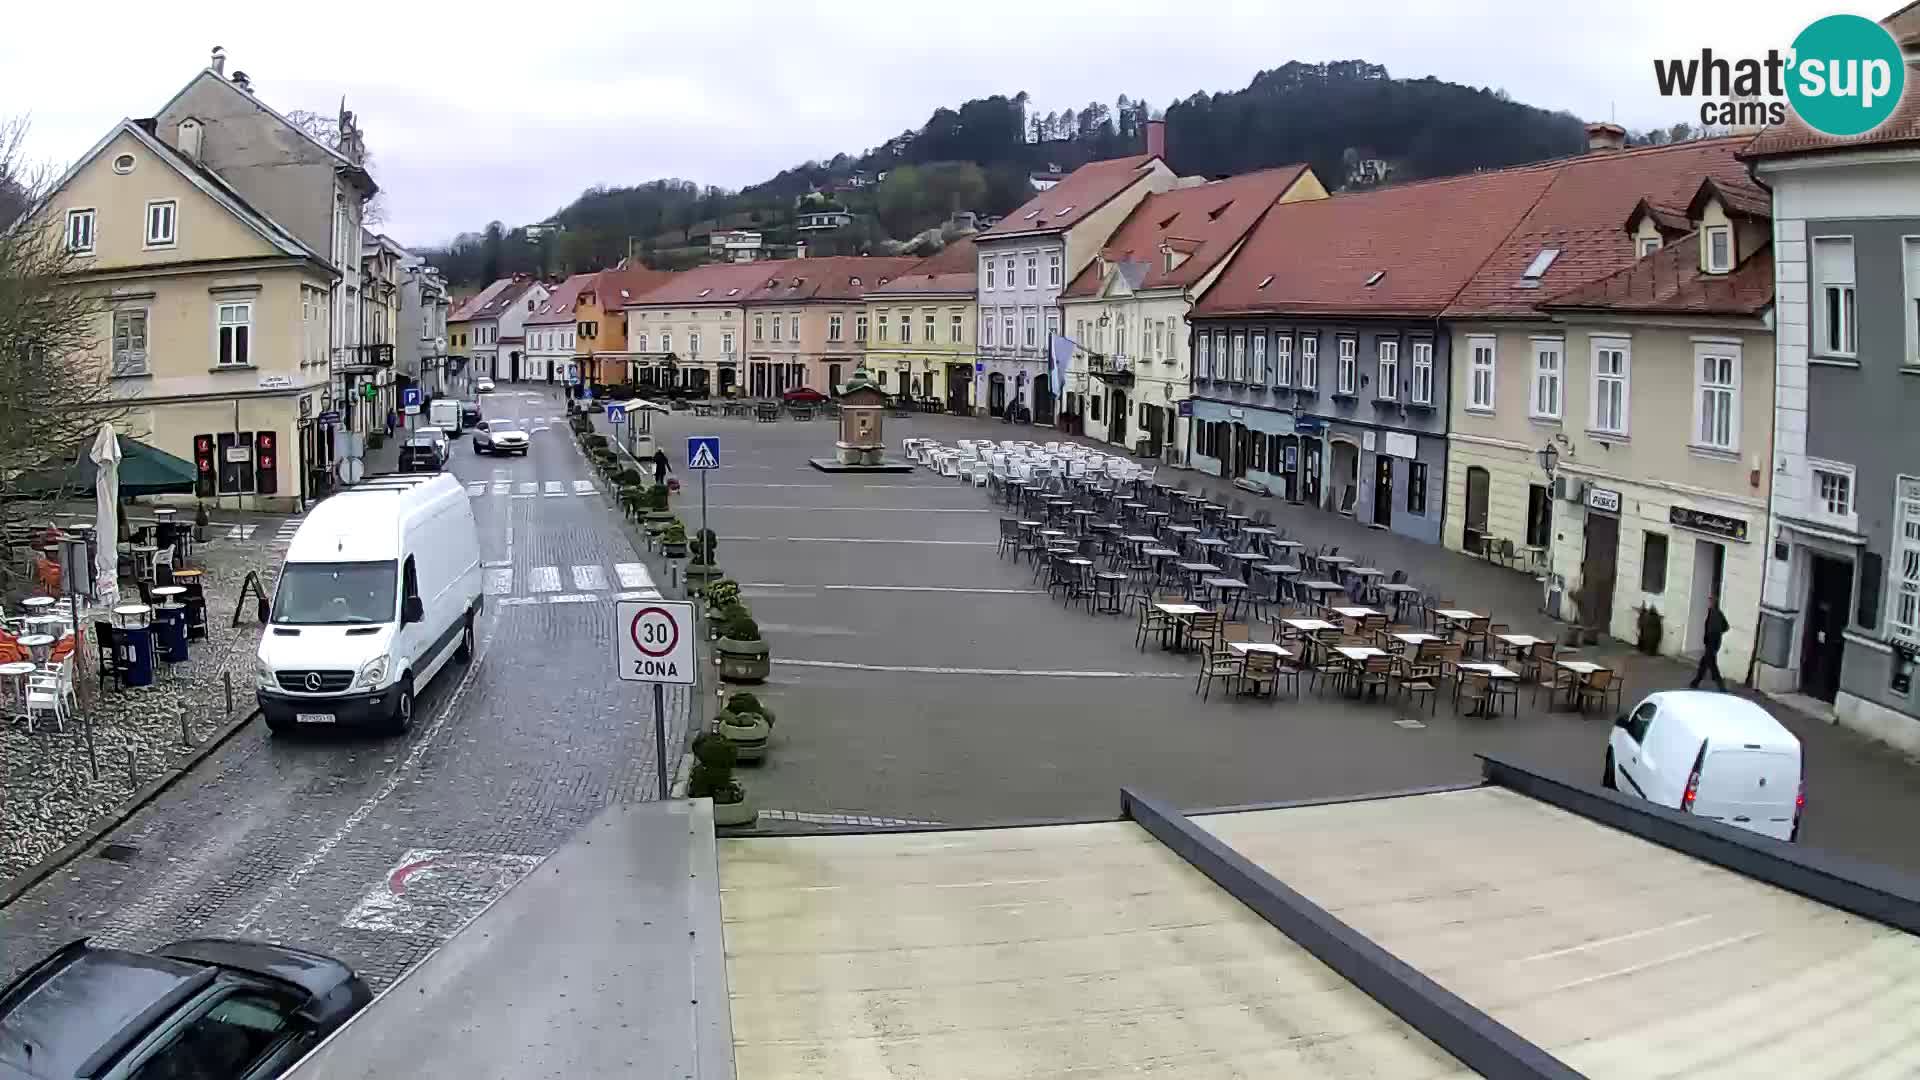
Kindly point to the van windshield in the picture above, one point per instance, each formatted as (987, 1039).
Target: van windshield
(331, 594)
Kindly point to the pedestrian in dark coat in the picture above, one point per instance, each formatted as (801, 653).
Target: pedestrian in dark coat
(660, 465)
(1716, 629)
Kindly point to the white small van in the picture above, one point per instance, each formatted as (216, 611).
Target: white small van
(380, 590)
(444, 413)
(1713, 755)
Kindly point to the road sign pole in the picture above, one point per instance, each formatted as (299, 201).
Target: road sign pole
(703, 520)
(660, 737)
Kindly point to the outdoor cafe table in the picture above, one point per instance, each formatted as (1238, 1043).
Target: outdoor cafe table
(1197, 571)
(1180, 613)
(1520, 643)
(1209, 546)
(1457, 616)
(1415, 639)
(1367, 576)
(1580, 669)
(1244, 559)
(1356, 656)
(1401, 592)
(1354, 612)
(1279, 572)
(1242, 648)
(16, 675)
(1320, 588)
(1495, 672)
(1229, 591)
(39, 645)
(39, 604)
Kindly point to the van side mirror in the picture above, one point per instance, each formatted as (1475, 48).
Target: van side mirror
(412, 610)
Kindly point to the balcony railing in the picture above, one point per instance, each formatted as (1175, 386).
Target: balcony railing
(379, 355)
(1111, 367)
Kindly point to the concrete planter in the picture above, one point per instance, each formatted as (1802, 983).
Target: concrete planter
(698, 574)
(743, 661)
(748, 732)
(673, 550)
(735, 814)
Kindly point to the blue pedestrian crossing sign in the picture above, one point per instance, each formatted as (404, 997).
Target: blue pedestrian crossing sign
(616, 412)
(703, 451)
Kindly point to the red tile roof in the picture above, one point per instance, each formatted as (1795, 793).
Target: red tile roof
(557, 308)
(470, 308)
(1204, 221)
(1317, 255)
(1670, 281)
(612, 288)
(495, 299)
(953, 269)
(715, 283)
(1581, 212)
(1901, 128)
(836, 277)
(1068, 203)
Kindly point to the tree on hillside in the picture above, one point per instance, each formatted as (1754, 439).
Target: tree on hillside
(54, 388)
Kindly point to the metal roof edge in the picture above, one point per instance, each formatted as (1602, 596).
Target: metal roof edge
(1869, 890)
(1479, 1041)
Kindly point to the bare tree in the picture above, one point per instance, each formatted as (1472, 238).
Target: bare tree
(326, 131)
(54, 376)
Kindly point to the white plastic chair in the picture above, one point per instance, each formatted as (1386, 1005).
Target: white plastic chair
(44, 696)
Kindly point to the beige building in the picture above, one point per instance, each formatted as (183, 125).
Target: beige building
(802, 319)
(1669, 382)
(686, 332)
(918, 329)
(214, 328)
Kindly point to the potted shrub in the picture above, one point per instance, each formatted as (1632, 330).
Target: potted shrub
(703, 568)
(720, 594)
(743, 654)
(1651, 627)
(200, 523)
(747, 725)
(657, 513)
(711, 777)
(673, 539)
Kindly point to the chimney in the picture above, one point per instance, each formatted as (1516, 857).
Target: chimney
(1606, 136)
(1157, 138)
(219, 64)
(188, 140)
(245, 84)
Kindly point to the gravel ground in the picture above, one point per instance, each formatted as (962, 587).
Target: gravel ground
(48, 791)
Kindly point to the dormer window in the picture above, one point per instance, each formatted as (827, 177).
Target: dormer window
(853, 281)
(1065, 210)
(1030, 215)
(733, 292)
(1214, 214)
(1719, 240)
(704, 292)
(1537, 269)
(1374, 278)
(1649, 245)
(1264, 282)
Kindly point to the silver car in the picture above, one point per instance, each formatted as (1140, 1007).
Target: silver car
(500, 437)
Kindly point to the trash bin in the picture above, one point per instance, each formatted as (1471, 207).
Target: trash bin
(138, 642)
(171, 630)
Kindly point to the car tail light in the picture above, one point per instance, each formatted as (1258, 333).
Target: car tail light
(1799, 805)
(1693, 780)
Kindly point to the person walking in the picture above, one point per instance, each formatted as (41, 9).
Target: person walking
(660, 465)
(1716, 628)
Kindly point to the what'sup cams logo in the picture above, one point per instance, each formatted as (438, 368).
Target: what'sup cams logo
(1843, 76)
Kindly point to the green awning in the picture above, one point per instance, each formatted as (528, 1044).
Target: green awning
(144, 470)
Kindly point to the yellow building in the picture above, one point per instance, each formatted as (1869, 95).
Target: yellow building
(919, 328)
(601, 355)
(802, 320)
(214, 320)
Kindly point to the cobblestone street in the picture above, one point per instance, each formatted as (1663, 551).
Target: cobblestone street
(374, 849)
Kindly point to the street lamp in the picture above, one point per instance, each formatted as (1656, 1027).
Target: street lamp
(1549, 457)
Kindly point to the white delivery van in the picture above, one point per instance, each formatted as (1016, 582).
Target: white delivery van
(444, 413)
(380, 590)
(1712, 755)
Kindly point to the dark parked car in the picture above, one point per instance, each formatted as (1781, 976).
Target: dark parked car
(207, 1007)
(802, 395)
(420, 453)
(469, 413)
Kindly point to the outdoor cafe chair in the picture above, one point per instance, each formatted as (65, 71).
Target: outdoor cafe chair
(1475, 688)
(1376, 673)
(1009, 537)
(1218, 661)
(1491, 646)
(1422, 674)
(1596, 688)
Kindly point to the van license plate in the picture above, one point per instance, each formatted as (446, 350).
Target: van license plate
(313, 718)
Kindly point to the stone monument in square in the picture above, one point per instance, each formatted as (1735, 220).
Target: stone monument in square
(861, 446)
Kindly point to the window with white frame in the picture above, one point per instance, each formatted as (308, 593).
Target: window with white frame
(986, 331)
(1283, 359)
(1911, 261)
(956, 328)
(1160, 339)
(130, 341)
(879, 328)
(726, 343)
(793, 326)
(1716, 398)
(1347, 376)
(1548, 363)
(1719, 241)
(1240, 357)
(1649, 245)
(235, 331)
(1831, 493)
(906, 325)
(640, 343)
(80, 231)
(666, 341)
(1203, 357)
(1259, 373)
(859, 328)
(1222, 357)
(1120, 338)
(1053, 327)
(1006, 324)
(1388, 386)
(1053, 269)
(1833, 295)
(776, 327)
(1612, 375)
(1422, 373)
(1032, 339)
(986, 275)
(1033, 270)
(929, 327)
(160, 222)
(836, 325)
(1309, 362)
(759, 328)
(1480, 373)
(1903, 620)
(693, 343)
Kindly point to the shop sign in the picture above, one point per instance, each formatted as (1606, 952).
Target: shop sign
(1686, 517)
(1604, 499)
(1401, 445)
(276, 382)
(306, 406)
(1186, 408)
(1306, 425)
(1366, 440)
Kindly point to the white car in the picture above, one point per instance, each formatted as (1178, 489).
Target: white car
(483, 386)
(1712, 755)
(504, 436)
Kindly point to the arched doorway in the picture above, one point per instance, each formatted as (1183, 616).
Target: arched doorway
(1042, 399)
(1479, 481)
(513, 362)
(996, 394)
(1346, 475)
(1117, 418)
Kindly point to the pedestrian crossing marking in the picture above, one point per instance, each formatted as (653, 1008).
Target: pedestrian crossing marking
(478, 487)
(528, 487)
(589, 577)
(583, 487)
(500, 581)
(572, 598)
(554, 490)
(542, 579)
(639, 594)
(502, 487)
(633, 575)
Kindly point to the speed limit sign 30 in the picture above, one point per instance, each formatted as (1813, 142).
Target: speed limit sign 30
(653, 641)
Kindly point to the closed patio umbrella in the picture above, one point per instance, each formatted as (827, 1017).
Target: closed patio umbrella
(106, 496)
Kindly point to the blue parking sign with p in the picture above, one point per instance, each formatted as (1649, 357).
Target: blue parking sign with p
(703, 451)
(410, 395)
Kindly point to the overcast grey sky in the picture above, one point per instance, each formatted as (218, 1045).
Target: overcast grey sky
(477, 111)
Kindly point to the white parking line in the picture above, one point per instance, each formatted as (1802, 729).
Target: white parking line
(588, 577)
(500, 581)
(543, 579)
(633, 575)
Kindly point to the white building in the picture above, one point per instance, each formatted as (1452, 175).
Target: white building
(552, 336)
